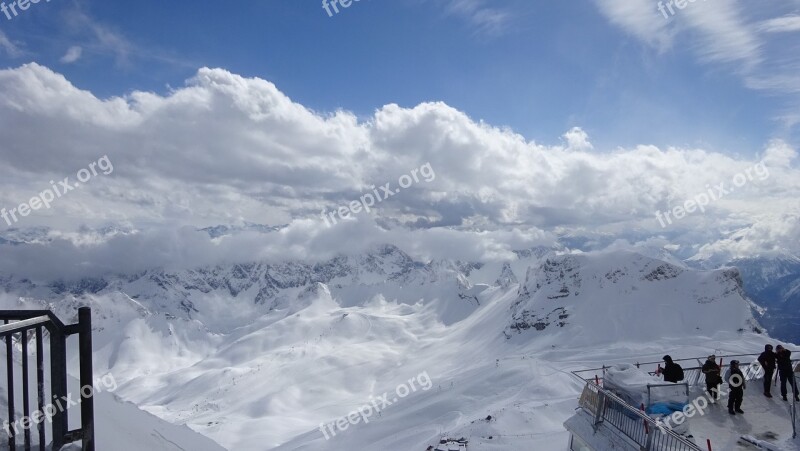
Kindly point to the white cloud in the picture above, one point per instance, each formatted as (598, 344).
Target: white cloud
(9, 47)
(101, 37)
(785, 24)
(98, 38)
(487, 19)
(722, 32)
(577, 139)
(771, 234)
(727, 33)
(73, 54)
(779, 153)
(305, 240)
(225, 148)
(641, 19)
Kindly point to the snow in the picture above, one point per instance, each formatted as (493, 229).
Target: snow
(630, 383)
(119, 425)
(255, 373)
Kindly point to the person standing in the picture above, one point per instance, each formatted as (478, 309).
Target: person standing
(737, 386)
(672, 371)
(713, 378)
(785, 371)
(767, 359)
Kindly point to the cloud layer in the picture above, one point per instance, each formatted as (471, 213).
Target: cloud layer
(226, 149)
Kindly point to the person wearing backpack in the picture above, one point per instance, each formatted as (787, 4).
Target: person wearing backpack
(767, 361)
(785, 371)
(672, 371)
(713, 378)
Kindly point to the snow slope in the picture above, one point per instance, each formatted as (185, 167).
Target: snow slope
(119, 425)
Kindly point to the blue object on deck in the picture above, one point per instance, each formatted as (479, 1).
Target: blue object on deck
(665, 408)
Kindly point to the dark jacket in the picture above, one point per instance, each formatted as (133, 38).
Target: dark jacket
(767, 360)
(738, 383)
(712, 370)
(672, 372)
(784, 359)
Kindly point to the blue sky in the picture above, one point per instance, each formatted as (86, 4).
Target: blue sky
(537, 67)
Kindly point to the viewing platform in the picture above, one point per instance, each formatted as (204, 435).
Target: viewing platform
(608, 419)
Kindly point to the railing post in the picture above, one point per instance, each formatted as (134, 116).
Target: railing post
(12, 435)
(648, 441)
(40, 385)
(26, 402)
(58, 385)
(86, 376)
(598, 415)
(794, 405)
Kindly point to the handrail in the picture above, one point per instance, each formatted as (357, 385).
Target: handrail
(602, 369)
(21, 326)
(18, 315)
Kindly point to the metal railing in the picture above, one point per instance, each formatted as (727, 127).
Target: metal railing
(608, 408)
(693, 375)
(21, 326)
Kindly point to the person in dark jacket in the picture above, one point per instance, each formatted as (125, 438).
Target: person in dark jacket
(672, 371)
(737, 385)
(767, 361)
(786, 371)
(713, 378)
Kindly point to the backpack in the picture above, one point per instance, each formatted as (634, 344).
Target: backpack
(679, 372)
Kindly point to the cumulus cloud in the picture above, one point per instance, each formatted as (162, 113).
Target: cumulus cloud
(779, 153)
(771, 235)
(225, 149)
(577, 139)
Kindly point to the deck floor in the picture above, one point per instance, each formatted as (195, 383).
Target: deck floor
(766, 419)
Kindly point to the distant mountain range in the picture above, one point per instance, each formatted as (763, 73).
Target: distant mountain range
(772, 281)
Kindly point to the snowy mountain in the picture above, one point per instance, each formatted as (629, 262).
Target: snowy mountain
(773, 282)
(574, 290)
(263, 353)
